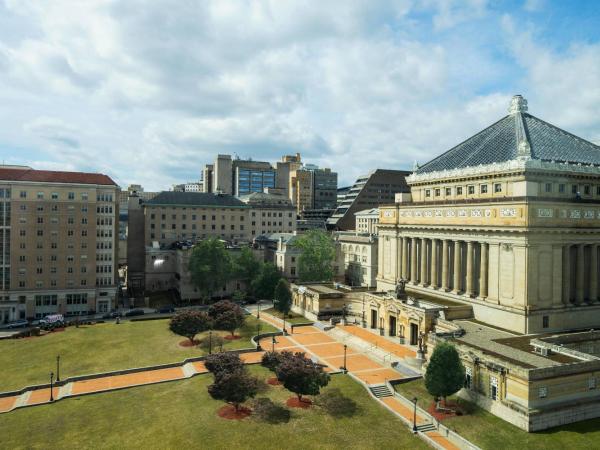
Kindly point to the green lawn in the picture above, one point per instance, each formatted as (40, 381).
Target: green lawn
(490, 432)
(101, 348)
(290, 318)
(181, 415)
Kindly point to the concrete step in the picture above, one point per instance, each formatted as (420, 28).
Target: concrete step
(380, 391)
(426, 428)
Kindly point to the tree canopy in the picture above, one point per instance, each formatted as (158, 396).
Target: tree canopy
(264, 285)
(445, 373)
(232, 382)
(190, 323)
(283, 297)
(210, 266)
(247, 268)
(318, 254)
(301, 375)
(226, 315)
(225, 362)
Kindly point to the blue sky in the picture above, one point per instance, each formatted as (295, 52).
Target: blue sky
(149, 91)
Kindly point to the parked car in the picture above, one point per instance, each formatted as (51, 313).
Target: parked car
(52, 321)
(166, 309)
(112, 315)
(16, 324)
(134, 312)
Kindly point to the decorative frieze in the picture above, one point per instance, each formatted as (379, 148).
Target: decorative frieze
(545, 212)
(508, 212)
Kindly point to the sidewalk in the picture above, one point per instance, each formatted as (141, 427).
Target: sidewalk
(360, 365)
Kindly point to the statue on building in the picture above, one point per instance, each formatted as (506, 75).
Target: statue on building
(400, 289)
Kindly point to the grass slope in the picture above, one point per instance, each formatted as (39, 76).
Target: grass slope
(182, 415)
(101, 348)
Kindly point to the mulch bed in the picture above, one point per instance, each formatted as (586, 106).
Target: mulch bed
(188, 343)
(293, 402)
(273, 381)
(229, 412)
(441, 415)
(232, 338)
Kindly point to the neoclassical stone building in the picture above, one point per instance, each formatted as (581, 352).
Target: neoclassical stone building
(507, 222)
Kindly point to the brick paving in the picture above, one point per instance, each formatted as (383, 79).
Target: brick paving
(7, 403)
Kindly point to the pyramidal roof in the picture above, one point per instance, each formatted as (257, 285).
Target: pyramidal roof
(519, 135)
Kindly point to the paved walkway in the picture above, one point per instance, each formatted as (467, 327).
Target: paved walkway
(328, 351)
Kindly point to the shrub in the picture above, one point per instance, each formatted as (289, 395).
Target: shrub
(223, 363)
(213, 343)
(267, 411)
(189, 323)
(301, 375)
(233, 387)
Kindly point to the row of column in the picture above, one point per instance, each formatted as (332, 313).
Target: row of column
(580, 269)
(425, 270)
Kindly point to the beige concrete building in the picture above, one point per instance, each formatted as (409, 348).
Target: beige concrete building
(367, 220)
(358, 257)
(506, 222)
(270, 213)
(58, 238)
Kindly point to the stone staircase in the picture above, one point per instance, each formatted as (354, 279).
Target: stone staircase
(380, 390)
(426, 427)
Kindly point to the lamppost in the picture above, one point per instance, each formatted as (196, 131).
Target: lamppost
(258, 311)
(415, 415)
(210, 342)
(284, 330)
(57, 367)
(51, 393)
(345, 349)
(273, 342)
(258, 347)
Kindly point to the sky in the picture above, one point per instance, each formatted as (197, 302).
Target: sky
(149, 91)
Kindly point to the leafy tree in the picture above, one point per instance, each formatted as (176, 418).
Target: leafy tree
(239, 296)
(301, 375)
(264, 285)
(227, 315)
(234, 387)
(445, 372)
(210, 266)
(190, 323)
(222, 363)
(283, 297)
(247, 268)
(318, 253)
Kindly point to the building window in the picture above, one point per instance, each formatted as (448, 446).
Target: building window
(448, 192)
(543, 392)
(587, 190)
(427, 192)
(40, 195)
(494, 388)
(437, 192)
(471, 190)
(574, 189)
(592, 383)
(468, 377)
(23, 194)
(498, 187)
(71, 196)
(545, 321)
(459, 190)
(561, 188)
(548, 187)
(483, 188)
(54, 196)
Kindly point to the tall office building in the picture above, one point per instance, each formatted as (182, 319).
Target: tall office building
(313, 188)
(58, 242)
(238, 177)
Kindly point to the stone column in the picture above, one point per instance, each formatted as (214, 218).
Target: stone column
(413, 261)
(457, 267)
(380, 256)
(594, 273)
(483, 275)
(393, 257)
(580, 275)
(445, 264)
(566, 274)
(405, 258)
(423, 277)
(469, 290)
(434, 263)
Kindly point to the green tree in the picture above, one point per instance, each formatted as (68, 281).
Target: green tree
(210, 266)
(445, 372)
(222, 363)
(226, 315)
(247, 268)
(234, 387)
(264, 285)
(317, 257)
(301, 375)
(283, 297)
(190, 323)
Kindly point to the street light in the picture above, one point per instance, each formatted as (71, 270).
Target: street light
(345, 348)
(51, 379)
(258, 311)
(57, 367)
(415, 415)
(284, 330)
(273, 342)
(210, 342)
